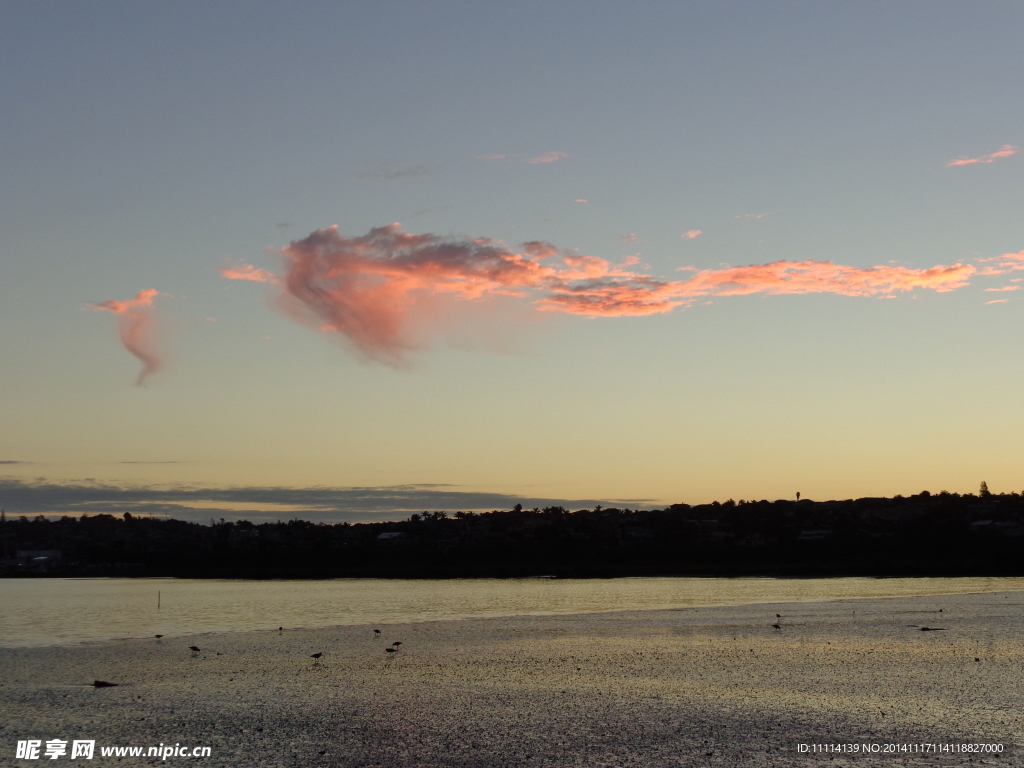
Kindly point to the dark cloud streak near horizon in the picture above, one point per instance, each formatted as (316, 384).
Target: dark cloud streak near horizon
(352, 504)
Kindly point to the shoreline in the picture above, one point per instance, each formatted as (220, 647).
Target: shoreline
(95, 608)
(638, 688)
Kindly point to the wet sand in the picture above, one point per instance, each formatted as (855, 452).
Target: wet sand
(692, 687)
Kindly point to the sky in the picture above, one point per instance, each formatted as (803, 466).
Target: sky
(348, 260)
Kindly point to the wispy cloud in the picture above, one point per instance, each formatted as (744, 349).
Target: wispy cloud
(582, 200)
(242, 271)
(135, 326)
(268, 503)
(630, 238)
(998, 301)
(380, 290)
(491, 158)
(751, 216)
(1004, 288)
(15, 462)
(1001, 265)
(689, 235)
(547, 157)
(400, 173)
(1007, 150)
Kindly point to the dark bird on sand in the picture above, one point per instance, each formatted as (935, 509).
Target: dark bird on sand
(316, 657)
(103, 684)
(376, 634)
(390, 650)
(194, 649)
(397, 643)
(933, 629)
(157, 636)
(778, 615)
(776, 626)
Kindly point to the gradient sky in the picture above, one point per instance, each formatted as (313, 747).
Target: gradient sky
(159, 146)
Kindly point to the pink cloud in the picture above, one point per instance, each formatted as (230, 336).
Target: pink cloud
(581, 200)
(547, 157)
(692, 234)
(1004, 288)
(1007, 150)
(387, 291)
(135, 326)
(998, 301)
(628, 238)
(1001, 265)
(248, 272)
(751, 216)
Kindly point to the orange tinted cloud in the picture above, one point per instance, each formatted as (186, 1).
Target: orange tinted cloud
(1004, 288)
(380, 290)
(135, 325)
(1000, 265)
(1006, 150)
(692, 234)
(248, 272)
(548, 157)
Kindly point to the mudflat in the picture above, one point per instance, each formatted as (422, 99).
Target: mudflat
(713, 686)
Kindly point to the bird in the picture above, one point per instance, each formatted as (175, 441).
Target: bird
(316, 657)
(397, 643)
(103, 684)
(390, 650)
(194, 649)
(776, 626)
(280, 629)
(157, 636)
(933, 629)
(376, 634)
(778, 615)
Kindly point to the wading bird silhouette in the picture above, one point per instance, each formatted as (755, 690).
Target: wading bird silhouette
(316, 657)
(194, 649)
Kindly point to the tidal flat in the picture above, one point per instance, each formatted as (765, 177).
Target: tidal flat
(701, 686)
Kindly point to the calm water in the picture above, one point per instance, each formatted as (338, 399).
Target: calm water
(70, 611)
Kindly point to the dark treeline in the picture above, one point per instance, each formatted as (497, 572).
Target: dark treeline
(940, 534)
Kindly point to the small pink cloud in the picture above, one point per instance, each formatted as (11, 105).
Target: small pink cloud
(243, 271)
(1008, 262)
(547, 157)
(135, 326)
(997, 301)
(1004, 288)
(1007, 150)
(751, 216)
(628, 238)
(692, 234)
(581, 200)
